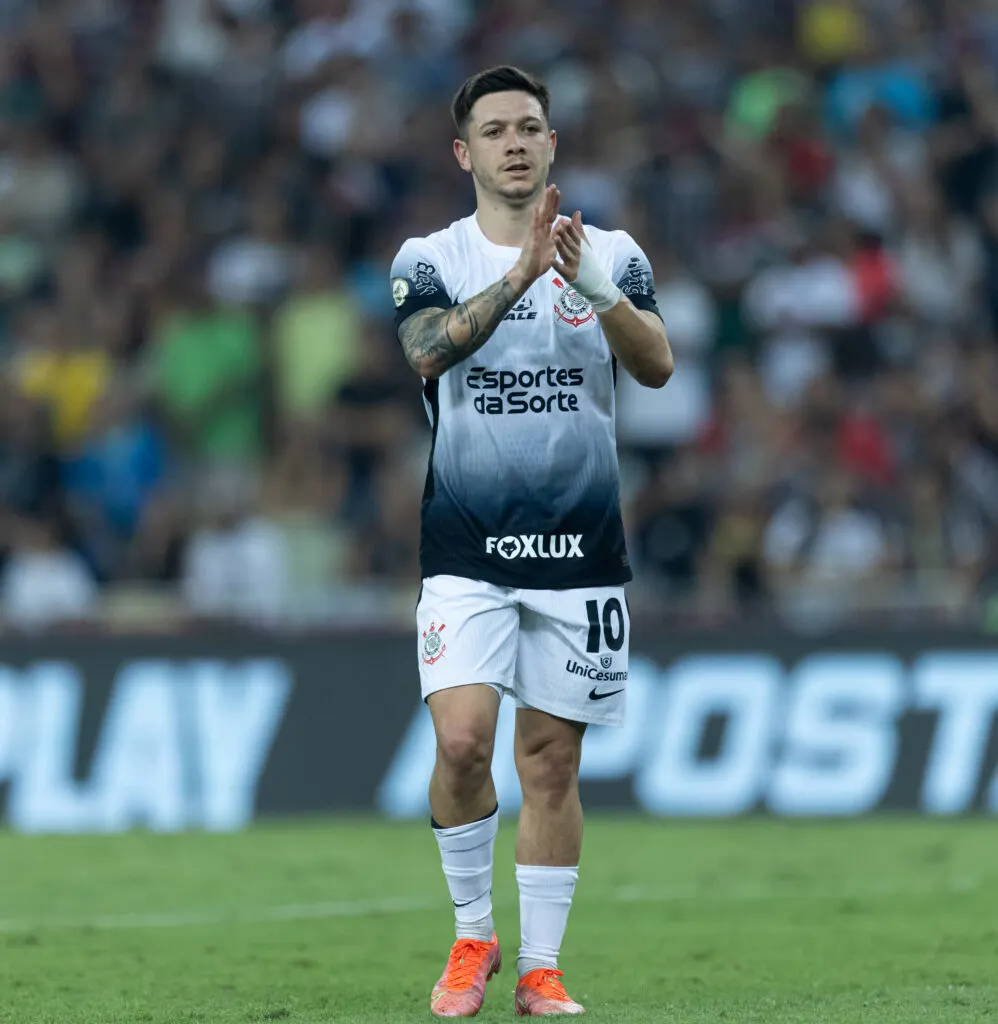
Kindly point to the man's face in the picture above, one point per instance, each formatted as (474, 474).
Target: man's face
(509, 146)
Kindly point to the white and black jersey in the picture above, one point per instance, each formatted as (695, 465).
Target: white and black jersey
(522, 488)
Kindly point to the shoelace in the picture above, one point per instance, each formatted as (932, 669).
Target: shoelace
(548, 984)
(465, 961)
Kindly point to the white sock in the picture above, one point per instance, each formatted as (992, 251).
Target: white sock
(466, 853)
(545, 900)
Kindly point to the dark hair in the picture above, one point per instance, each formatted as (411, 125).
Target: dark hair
(501, 79)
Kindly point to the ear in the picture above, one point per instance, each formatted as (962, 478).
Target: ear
(553, 139)
(462, 155)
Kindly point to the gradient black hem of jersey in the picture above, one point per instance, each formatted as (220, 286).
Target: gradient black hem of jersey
(454, 537)
(605, 576)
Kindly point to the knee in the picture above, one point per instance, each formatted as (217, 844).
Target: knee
(464, 752)
(549, 774)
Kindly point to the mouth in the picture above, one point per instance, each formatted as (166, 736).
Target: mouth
(517, 168)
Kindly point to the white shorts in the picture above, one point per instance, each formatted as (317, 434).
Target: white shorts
(559, 651)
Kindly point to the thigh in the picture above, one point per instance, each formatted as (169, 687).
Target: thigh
(465, 715)
(466, 633)
(572, 653)
(536, 732)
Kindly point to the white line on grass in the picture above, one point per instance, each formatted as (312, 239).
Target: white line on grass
(220, 915)
(763, 891)
(402, 905)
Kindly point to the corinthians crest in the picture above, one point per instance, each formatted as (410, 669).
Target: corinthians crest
(433, 644)
(570, 306)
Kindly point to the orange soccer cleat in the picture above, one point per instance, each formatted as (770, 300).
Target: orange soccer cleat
(541, 994)
(460, 991)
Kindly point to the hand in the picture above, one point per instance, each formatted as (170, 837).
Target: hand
(538, 254)
(568, 237)
(580, 267)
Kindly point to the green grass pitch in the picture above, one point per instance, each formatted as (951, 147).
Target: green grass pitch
(875, 921)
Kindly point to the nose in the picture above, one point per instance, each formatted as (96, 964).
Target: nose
(515, 145)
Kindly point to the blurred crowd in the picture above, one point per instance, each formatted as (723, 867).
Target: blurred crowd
(203, 408)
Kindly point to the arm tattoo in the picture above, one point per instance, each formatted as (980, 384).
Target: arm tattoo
(434, 340)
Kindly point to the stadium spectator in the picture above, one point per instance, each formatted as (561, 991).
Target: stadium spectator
(29, 467)
(155, 554)
(374, 413)
(204, 373)
(110, 477)
(305, 497)
(199, 200)
(769, 85)
(939, 262)
(649, 421)
(40, 185)
(58, 366)
(236, 562)
(254, 268)
(43, 582)
(832, 540)
(388, 539)
(317, 341)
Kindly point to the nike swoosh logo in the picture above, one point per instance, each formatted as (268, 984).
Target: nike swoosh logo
(593, 695)
(469, 902)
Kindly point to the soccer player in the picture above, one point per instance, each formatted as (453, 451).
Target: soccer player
(516, 319)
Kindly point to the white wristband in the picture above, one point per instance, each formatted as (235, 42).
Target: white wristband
(592, 282)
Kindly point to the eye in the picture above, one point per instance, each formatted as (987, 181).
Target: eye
(492, 133)
(533, 129)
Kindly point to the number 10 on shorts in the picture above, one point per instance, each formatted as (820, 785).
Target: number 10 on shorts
(610, 623)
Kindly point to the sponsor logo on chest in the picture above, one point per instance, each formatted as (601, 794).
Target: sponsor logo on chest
(523, 310)
(516, 392)
(531, 545)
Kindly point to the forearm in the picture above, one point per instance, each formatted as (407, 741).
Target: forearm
(638, 339)
(434, 340)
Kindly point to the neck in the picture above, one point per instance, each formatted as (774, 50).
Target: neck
(502, 223)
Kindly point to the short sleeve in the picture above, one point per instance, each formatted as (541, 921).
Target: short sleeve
(417, 281)
(632, 273)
